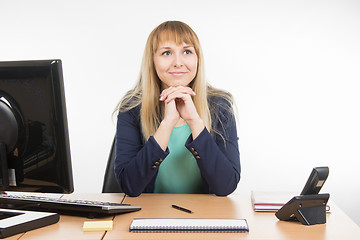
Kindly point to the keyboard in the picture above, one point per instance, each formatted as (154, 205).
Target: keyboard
(90, 209)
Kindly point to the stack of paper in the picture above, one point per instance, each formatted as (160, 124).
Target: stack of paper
(263, 201)
(269, 201)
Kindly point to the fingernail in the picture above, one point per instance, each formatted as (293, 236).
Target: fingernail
(161, 98)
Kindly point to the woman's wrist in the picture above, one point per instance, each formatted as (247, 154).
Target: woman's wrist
(162, 134)
(169, 124)
(196, 126)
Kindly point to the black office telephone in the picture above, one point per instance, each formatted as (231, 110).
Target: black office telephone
(310, 207)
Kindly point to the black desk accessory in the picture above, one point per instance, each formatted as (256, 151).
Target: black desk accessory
(17, 221)
(310, 207)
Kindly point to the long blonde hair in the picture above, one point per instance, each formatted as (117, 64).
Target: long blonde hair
(147, 90)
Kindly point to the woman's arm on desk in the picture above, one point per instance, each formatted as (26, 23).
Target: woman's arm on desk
(136, 162)
(218, 157)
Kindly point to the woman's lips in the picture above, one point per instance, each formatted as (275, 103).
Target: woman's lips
(177, 74)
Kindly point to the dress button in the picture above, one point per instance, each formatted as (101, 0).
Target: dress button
(197, 157)
(160, 160)
(192, 149)
(195, 153)
(153, 167)
(157, 163)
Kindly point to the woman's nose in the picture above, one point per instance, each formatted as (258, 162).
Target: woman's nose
(178, 60)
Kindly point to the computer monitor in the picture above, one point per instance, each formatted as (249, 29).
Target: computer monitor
(34, 141)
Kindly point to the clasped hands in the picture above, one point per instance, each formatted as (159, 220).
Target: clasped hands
(179, 104)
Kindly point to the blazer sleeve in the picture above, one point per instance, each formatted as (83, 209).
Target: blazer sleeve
(136, 162)
(218, 158)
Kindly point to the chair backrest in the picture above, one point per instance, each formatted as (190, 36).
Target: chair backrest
(110, 185)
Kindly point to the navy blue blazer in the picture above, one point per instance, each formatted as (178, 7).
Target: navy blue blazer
(137, 161)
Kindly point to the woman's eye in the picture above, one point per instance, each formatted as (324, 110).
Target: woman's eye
(166, 53)
(187, 51)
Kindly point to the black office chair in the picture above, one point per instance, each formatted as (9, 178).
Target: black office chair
(110, 185)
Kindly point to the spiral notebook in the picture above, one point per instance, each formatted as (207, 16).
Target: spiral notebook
(188, 225)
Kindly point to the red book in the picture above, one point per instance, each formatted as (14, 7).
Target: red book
(263, 201)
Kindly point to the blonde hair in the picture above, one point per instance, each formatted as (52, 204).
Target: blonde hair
(147, 90)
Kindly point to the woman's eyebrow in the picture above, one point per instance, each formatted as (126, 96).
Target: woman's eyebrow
(169, 48)
(165, 48)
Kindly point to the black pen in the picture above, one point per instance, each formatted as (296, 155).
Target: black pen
(182, 209)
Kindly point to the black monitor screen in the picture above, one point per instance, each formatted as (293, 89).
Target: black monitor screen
(34, 141)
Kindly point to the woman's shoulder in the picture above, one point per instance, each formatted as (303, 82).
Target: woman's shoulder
(220, 99)
(221, 106)
(130, 103)
(133, 113)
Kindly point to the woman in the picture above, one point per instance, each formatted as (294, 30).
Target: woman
(176, 133)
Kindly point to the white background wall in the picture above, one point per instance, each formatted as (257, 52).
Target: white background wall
(293, 67)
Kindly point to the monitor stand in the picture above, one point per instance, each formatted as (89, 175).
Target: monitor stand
(17, 221)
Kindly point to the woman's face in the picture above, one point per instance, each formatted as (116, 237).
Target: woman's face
(175, 65)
